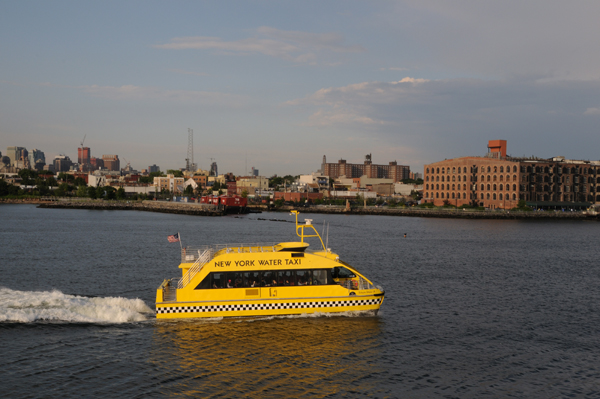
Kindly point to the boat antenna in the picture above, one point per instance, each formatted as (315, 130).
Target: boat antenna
(327, 239)
(323, 232)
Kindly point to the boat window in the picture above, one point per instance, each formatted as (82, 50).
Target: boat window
(205, 284)
(252, 279)
(273, 278)
(297, 255)
(218, 280)
(286, 277)
(319, 277)
(268, 279)
(342, 272)
(303, 277)
(238, 279)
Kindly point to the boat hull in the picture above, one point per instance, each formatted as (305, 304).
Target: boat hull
(268, 307)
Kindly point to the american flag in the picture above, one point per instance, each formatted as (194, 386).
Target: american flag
(173, 238)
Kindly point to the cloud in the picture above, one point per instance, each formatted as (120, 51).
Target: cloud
(323, 118)
(452, 115)
(494, 39)
(592, 111)
(295, 46)
(137, 93)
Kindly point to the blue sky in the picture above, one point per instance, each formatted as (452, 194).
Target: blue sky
(277, 85)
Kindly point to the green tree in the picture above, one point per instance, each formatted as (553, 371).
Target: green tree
(189, 190)
(245, 193)
(28, 176)
(3, 188)
(61, 191)
(414, 195)
(175, 172)
(150, 178)
(100, 191)
(275, 181)
(43, 189)
(82, 191)
(110, 193)
(412, 181)
(121, 193)
(79, 181)
(91, 192)
(65, 177)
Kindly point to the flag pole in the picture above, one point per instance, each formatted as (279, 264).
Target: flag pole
(180, 246)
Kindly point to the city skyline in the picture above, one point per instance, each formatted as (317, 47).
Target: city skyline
(277, 85)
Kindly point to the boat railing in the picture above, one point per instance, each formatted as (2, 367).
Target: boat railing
(202, 259)
(361, 284)
(190, 255)
(169, 288)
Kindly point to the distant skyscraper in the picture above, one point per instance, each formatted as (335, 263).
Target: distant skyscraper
(83, 155)
(111, 162)
(213, 169)
(96, 163)
(254, 171)
(153, 169)
(62, 163)
(15, 154)
(37, 159)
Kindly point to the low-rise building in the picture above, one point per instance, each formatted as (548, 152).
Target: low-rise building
(368, 168)
(296, 197)
(169, 183)
(406, 189)
(250, 182)
(500, 181)
(319, 179)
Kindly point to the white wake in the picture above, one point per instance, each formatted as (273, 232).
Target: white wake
(33, 306)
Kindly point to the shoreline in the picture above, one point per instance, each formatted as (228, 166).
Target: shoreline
(147, 206)
(209, 210)
(444, 213)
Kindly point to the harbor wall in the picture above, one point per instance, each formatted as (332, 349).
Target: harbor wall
(148, 206)
(212, 210)
(438, 213)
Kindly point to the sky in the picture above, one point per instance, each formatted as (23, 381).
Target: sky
(276, 85)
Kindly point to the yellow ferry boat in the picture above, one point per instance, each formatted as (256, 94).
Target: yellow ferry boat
(265, 280)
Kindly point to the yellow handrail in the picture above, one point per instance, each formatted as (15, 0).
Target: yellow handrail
(307, 225)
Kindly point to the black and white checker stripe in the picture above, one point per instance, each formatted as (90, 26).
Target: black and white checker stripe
(266, 306)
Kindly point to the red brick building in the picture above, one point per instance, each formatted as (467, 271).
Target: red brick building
(500, 181)
(296, 197)
(351, 170)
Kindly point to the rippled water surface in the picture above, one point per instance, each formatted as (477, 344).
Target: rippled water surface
(473, 308)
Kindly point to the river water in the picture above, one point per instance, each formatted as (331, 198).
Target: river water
(473, 308)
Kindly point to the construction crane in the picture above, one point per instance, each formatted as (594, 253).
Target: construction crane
(126, 167)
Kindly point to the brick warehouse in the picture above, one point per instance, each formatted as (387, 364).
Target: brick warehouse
(351, 170)
(500, 181)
